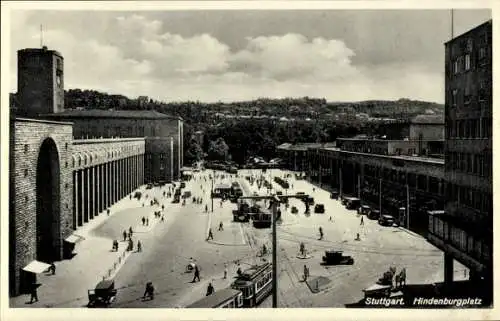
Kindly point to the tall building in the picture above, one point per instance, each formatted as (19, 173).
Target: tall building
(40, 82)
(465, 230)
(68, 167)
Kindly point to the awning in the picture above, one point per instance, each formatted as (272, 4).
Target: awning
(36, 267)
(73, 238)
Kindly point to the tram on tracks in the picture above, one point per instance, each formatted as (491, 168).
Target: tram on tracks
(227, 298)
(255, 284)
(262, 218)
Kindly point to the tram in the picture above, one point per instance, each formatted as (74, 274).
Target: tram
(255, 284)
(227, 298)
(262, 219)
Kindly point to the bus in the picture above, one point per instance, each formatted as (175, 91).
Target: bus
(255, 284)
(226, 298)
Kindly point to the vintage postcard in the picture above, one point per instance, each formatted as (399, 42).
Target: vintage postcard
(166, 157)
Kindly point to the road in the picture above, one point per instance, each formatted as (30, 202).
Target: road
(170, 245)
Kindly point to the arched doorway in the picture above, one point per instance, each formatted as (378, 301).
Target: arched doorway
(47, 207)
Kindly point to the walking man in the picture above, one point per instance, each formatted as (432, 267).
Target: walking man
(196, 274)
(320, 233)
(162, 218)
(210, 234)
(139, 246)
(225, 271)
(210, 289)
(306, 272)
(362, 221)
(124, 235)
(143, 220)
(147, 222)
(34, 294)
(221, 226)
(53, 268)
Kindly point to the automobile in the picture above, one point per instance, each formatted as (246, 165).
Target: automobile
(319, 208)
(176, 199)
(310, 200)
(334, 195)
(337, 258)
(149, 186)
(364, 210)
(294, 210)
(352, 203)
(386, 220)
(183, 184)
(301, 193)
(374, 214)
(103, 294)
(279, 193)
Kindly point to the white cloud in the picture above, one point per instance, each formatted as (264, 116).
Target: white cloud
(134, 56)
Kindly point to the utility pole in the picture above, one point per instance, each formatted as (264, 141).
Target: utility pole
(212, 193)
(340, 177)
(277, 199)
(380, 196)
(407, 206)
(359, 186)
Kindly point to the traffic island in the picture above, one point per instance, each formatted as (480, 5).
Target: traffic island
(318, 284)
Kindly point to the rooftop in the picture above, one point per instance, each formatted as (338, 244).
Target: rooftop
(110, 113)
(428, 119)
(437, 161)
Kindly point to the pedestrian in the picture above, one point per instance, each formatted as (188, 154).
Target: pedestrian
(34, 294)
(320, 233)
(225, 271)
(162, 207)
(210, 234)
(357, 237)
(302, 249)
(53, 268)
(210, 289)
(130, 245)
(221, 226)
(196, 274)
(130, 230)
(362, 221)
(150, 289)
(331, 220)
(124, 235)
(139, 246)
(162, 218)
(147, 222)
(107, 211)
(306, 272)
(143, 220)
(206, 208)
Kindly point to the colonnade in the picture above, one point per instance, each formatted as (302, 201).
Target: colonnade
(98, 187)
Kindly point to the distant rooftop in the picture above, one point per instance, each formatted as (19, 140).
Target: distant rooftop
(304, 146)
(428, 119)
(103, 113)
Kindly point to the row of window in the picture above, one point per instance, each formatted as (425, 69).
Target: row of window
(470, 197)
(465, 62)
(472, 245)
(264, 281)
(128, 131)
(467, 95)
(470, 128)
(477, 164)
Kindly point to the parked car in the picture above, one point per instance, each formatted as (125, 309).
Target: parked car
(386, 220)
(364, 210)
(374, 215)
(149, 186)
(319, 208)
(334, 195)
(183, 184)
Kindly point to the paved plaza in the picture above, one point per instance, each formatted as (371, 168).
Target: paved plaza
(170, 245)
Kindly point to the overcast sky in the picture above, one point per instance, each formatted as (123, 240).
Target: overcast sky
(340, 55)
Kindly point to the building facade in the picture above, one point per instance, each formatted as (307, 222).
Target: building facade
(68, 166)
(465, 230)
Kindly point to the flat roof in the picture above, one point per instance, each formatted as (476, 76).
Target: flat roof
(437, 161)
(33, 120)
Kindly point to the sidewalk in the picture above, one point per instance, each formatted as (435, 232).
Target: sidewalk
(94, 259)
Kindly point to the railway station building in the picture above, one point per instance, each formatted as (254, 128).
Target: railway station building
(68, 166)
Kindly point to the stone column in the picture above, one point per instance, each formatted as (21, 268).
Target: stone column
(86, 203)
(75, 199)
(91, 193)
(80, 197)
(448, 269)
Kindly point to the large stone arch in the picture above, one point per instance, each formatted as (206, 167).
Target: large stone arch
(48, 202)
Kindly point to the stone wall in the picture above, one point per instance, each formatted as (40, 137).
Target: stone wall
(27, 136)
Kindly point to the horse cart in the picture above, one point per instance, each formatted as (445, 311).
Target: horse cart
(103, 294)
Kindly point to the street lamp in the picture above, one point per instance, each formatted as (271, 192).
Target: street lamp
(212, 192)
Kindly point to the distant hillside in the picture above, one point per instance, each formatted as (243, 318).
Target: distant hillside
(296, 108)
